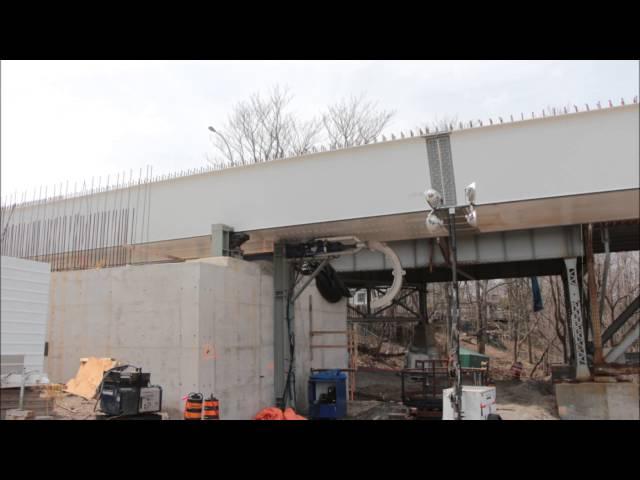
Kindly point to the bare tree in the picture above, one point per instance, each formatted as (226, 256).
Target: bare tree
(261, 129)
(354, 121)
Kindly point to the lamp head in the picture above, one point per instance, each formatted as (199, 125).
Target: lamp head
(470, 193)
(472, 217)
(433, 223)
(433, 198)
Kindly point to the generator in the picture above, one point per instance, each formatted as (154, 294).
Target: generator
(478, 403)
(126, 392)
(327, 395)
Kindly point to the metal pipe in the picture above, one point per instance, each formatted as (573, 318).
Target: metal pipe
(22, 382)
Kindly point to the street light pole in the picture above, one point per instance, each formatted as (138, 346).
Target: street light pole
(433, 223)
(211, 129)
(455, 313)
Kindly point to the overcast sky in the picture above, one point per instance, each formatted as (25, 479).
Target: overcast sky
(71, 120)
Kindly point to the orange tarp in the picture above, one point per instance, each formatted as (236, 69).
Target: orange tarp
(274, 413)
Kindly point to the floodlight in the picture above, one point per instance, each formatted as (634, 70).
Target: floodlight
(472, 217)
(433, 223)
(433, 198)
(470, 193)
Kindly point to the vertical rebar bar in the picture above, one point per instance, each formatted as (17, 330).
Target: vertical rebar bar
(129, 187)
(149, 211)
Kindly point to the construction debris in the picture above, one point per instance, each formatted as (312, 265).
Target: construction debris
(34, 400)
(89, 376)
(19, 415)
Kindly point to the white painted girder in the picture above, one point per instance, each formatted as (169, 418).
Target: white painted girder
(565, 157)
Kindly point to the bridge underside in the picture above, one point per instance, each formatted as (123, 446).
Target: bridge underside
(441, 273)
(614, 206)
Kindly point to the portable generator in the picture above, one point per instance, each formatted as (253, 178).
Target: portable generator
(126, 391)
(327, 395)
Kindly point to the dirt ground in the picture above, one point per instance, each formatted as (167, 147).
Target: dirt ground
(526, 399)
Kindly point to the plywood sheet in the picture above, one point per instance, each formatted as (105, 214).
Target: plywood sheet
(89, 376)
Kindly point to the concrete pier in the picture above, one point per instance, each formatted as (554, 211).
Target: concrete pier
(200, 326)
(598, 401)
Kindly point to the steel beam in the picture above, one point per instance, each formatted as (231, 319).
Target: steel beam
(577, 327)
(281, 311)
(492, 248)
(594, 313)
(621, 320)
(628, 340)
(220, 240)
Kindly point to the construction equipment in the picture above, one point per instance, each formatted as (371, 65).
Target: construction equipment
(193, 407)
(478, 403)
(126, 392)
(211, 409)
(422, 387)
(328, 395)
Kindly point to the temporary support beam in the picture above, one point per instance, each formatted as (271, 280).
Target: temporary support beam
(621, 320)
(282, 311)
(422, 303)
(617, 351)
(605, 267)
(577, 327)
(220, 240)
(593, 298)
(310, 279)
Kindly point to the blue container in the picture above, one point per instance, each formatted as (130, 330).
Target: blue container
(328, 395)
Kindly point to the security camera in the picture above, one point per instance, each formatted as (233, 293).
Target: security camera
(433, 198)
(470, 193)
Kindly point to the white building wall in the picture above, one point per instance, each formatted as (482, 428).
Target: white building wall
(24, 307)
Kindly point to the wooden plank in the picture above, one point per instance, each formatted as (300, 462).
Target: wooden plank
(184, 248)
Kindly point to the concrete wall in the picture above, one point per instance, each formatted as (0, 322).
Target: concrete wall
(203, 326)
(312, 312)
(146, 316)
